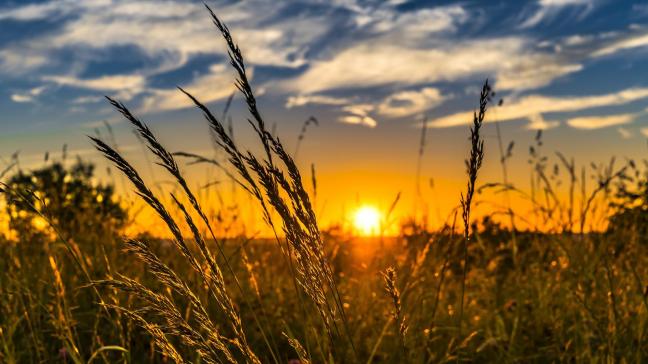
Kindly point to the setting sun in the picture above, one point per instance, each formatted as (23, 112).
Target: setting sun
(367, 220)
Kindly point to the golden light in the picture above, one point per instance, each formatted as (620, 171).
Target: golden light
(39, 223)
(367, 220)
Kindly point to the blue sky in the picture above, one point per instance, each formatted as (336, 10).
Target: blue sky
(371, 61)
(369, 70)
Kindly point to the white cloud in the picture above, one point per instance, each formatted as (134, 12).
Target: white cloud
(397, 49)
(49, 9)
(177, 30)
(549, 9)
(399, 104)
(419, 23)
(625, 133)
(404, 59)
(359, 109)
(534, 72)
(583, 46)
(21, 98)
(359, 120)
(528, 107)
(378, 63)
(170, 33)
(29, 96)
(87, 99)
(635, 41)
(37, 90)
(359, 115)
(576, 40)
(644, 131)
(597, 122)
(302, 100)
(105, 83)
(176, 39)
(217, 84)
(537, 122)
(18, 60)
(563, 2)
(382, 17)
(407, 103)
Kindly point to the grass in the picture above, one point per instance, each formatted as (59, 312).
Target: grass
(556, 292)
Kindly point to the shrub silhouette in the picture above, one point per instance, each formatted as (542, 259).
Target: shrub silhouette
(68, 198)
(631, 217)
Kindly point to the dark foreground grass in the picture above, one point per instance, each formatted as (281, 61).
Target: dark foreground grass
(569, 298)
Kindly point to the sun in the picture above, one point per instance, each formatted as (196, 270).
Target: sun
(367, 220)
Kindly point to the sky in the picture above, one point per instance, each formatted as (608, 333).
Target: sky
(369, 71)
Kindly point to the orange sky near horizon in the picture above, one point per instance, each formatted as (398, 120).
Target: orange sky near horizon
(370, 72)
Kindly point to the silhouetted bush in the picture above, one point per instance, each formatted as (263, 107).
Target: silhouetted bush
(68, 198)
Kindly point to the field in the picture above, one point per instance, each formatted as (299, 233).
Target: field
(565, 282)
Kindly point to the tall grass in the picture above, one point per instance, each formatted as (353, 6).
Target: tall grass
(276, 187)
(473, 164)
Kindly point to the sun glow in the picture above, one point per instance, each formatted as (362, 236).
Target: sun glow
(367, 220)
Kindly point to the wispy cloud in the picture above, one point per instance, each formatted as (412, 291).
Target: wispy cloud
(538, 122)
(359, 120)
(630, 42)
(528, 107)
(406, 103)
(598, 122)
(87, 99)
(420, 23)
(359, 114)
(379, 64)
(105, 83)
(169, 33)
(625, 133)
(174, 30)
(396, 105)
(217, 84)
(29, 96)
(18, 60)
(550, 9)
(398, 59)
(302, 100)
(48, 9)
